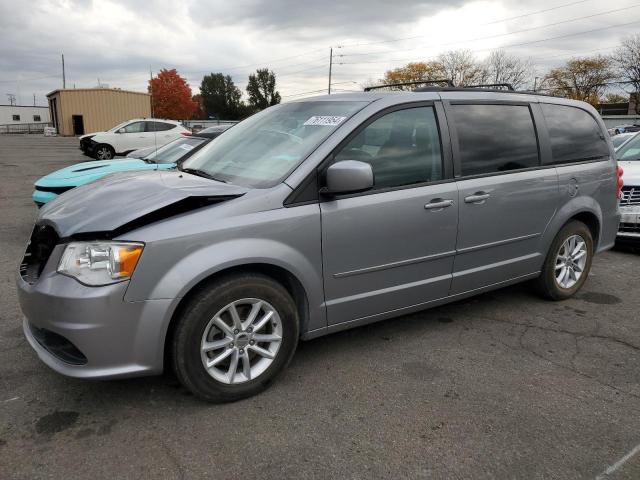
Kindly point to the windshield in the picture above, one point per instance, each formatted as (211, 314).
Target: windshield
(620, 139)
(119, 126)
(174, 151)
(630, 150)
(262, 150)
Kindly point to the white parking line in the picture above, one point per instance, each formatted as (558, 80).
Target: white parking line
(10, 399)
(619, 463)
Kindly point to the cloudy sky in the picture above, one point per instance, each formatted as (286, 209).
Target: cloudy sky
(117, 42)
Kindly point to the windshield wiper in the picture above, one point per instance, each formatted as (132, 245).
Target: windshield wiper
(202, 173)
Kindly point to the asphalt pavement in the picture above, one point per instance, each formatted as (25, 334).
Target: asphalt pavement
(505, 385)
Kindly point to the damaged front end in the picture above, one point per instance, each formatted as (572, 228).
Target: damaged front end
(123, 202)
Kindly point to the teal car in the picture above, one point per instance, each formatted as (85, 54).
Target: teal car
(166, 157)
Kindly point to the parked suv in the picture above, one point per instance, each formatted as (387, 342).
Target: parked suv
(131, 135)
(629, 159)
(312, 217)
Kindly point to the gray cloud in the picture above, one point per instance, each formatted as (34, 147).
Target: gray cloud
(345, 17)
(118, 41)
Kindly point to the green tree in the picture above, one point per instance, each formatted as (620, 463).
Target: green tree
(262, 89)
(220, 97)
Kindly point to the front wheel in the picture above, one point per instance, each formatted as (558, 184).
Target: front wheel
(234, 337)
(568, 262)
(104, 152)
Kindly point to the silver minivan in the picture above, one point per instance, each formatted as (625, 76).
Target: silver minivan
(311, 217)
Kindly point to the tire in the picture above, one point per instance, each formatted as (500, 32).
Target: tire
(104, 152)
(196, 331)
(548, 283)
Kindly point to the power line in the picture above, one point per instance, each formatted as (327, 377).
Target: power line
(509, 45)
(480, 25)
(28, 79)
(304, 93)
(562, 22)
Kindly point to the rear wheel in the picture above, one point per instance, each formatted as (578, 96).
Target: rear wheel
(234, 337)
(104, 152)
(568, 262)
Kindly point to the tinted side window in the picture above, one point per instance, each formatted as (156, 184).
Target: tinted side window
(159, 126)
(402, 147)
(575, 135)
(495, 138)
(135, 127)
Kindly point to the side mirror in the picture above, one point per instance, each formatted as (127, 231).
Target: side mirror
(121, 130)
(348, 176)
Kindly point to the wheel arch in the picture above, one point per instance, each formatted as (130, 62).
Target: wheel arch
(287, 279)
(591, 220)
(584, 209)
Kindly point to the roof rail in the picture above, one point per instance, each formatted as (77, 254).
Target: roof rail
(495, 86)
(446, 81)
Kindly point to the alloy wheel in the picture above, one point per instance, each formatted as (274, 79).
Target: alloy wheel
(241, 341)
(103, 153)
(571, 261)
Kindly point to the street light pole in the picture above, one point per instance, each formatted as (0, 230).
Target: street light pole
(64, 79)
(330, 65)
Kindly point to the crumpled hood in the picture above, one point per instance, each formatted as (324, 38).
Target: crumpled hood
(631, 175)
(125, 198)
(68, 176)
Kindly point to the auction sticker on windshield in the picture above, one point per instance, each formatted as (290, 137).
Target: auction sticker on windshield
(325, 121)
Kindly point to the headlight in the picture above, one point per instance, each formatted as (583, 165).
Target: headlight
(100, 263)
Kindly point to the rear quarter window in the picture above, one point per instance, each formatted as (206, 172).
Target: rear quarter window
(495, 138)
(574, 134)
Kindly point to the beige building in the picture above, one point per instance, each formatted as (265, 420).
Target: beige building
(84, 110)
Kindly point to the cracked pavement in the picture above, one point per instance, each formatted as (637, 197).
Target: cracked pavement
(504, 385)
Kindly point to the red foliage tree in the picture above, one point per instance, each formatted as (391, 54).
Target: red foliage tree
(171, 96)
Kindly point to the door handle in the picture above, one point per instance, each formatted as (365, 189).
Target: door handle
(438, 204)
(478, 197)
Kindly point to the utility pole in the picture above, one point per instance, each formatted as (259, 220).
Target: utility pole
(151, 91)
(535, 84)
(34, 99)
(64, 78)
(330, 65)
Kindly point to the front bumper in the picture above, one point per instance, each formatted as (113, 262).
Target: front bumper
(629, 229)
(114, 338)
(84, 144)
(40, 197)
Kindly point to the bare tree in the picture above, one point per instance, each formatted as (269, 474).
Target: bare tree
(626, 60)
(500, 67)
(460, 66)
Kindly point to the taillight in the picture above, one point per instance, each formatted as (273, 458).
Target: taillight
(185, 134)
(619, 172)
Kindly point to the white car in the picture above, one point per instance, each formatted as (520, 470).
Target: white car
(629, 159)
(131, 135)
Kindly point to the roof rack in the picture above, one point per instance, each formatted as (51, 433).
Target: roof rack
(494, 86)
(445, 81)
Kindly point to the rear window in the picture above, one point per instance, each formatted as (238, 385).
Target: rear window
(495, 138)
(575, 135)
